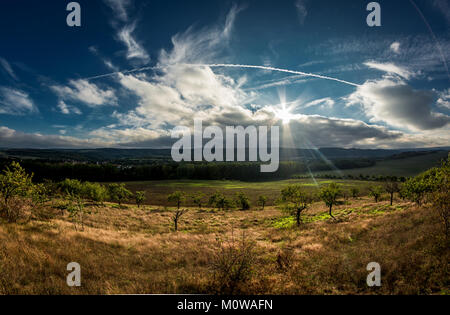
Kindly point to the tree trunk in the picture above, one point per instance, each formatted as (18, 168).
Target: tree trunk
(392, 198)
(299, 212)
(331, 215)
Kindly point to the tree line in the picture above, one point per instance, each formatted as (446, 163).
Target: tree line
(160, 170)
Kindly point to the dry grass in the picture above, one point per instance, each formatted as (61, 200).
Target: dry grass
(133, 250)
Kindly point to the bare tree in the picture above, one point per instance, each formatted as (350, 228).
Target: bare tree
(176, 217)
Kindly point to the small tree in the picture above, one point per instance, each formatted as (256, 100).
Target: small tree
(76, 211)
(197, 199)
(262, 200)
(391, 188)
(176, 217)
(329, 195)
(243, 201)
(119, 193)
(219, 201)
(140, 198)
(294, 201)
(355, 192)
(14, 182)
(178, 197)
(376, 192)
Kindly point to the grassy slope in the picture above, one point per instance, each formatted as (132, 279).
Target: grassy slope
(135, 251)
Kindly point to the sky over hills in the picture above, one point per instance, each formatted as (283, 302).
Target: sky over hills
(136, 69)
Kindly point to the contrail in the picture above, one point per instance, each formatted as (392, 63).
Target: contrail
(433, 35)
(122, 72)
(274, 69)
(229, 66)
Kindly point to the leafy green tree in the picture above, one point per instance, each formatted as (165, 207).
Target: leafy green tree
(243, 201)
(219, 201)
(140, 198)
(119, 193)
(330, 194)
(391, 188)
(262, 200)
(197, 199)
(178, 198)
(94, 192)
(295, 200)
(14, 182)
(376, 192)
(71, 187)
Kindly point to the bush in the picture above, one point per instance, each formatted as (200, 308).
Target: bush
(233, 265)
(262, 200)
(14, 183)
(242, 201)
(219, 201)
(376, 192)
(140, 198)
(119, 193)
(94, 192)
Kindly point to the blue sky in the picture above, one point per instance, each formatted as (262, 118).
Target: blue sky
(135, 69)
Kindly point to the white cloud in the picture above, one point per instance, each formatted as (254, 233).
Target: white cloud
(134, 49)
(324, 102)
(9, 70)
(395, 47)
(15, 102)
(85, 92)
(67, 110)
(390, 68)
(15, 139)
(397, 104)
(444, 99)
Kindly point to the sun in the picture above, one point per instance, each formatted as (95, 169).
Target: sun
(284, 114)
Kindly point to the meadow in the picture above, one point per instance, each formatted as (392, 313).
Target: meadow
(125, 247)
(157, 191)
(135, 250)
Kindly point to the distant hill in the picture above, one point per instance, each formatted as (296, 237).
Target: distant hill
(286, 154)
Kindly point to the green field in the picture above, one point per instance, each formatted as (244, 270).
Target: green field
(157, 191)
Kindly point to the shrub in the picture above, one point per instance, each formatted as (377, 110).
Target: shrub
(233, 265)
(262, 200)
(140, 198)
(119, 193)
(355, 192)
(219, 201)
(14, 183)
(376, 192)
(71, 187)
(197, 199)
(242, 201)
(94, 192)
